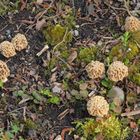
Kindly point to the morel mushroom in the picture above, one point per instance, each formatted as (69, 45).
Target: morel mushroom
(97, 106)
(4, 71)
(132, 24)
(20, 42)
(117, 71)
(95, 69)
(7, 49)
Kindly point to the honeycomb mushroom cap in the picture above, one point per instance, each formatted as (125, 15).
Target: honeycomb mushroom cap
(20, 42)
(132, 24)
(117, 71)
(7, 49)
(97, 106)
(95, 69)
(4, 71)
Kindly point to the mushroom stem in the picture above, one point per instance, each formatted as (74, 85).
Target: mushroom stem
(5, 80)
(46, 47)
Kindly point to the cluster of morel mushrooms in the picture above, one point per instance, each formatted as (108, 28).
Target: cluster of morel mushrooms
(8, 49)
(117, 71)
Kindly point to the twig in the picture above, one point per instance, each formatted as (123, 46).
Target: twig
(135, 112)
(126, 6)
(62, 40)
(23, 4)
(64, 62)
(45, 11)
(114, 8)
(46, 47)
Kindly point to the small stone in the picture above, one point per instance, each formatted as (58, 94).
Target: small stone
(56, 89)
(76, 33)
(58, 137)
(115, 93)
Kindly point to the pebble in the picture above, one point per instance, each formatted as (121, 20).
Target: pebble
(56, 89)
(116, 92)
(76, 33)
(58, 137)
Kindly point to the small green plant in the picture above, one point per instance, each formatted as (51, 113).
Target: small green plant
(126, 50)
(38, 97)
(8, 6)
(125, 37)
(11, 134)
(55, 34)
(134, 73)
(86, 54)
(110, 128)
(52, 99)
(107, 83)
(1, 84)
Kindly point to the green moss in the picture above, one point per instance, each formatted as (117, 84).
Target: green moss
(54, 34)
(29, 124)
(134, 50)
(134, 73)
(87, 54)
(8, 6)
(110, 128)
(136, 36)
(122, 53)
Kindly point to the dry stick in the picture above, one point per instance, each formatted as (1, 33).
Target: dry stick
(135, 112)
(46, 47)
(126, 5)
(45, 11)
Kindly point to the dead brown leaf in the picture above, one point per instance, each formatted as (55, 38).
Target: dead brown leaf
(39, 1)
(72, 57)
(40, 24)
(23, 4)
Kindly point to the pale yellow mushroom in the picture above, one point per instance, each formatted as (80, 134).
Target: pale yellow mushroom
(117, 71)
(7, 49)
(97, 106)
(95, 69)
(132, 24)
(4, 71)
(20, 42)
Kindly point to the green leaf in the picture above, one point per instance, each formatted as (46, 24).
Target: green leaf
(106, 83)
(46, 92)
(38, 97)
(54, 100)
(10, 135)
(15, 129)
(1, 84)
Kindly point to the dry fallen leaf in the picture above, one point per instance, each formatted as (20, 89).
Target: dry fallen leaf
(133, 125)
(72, 57)
(83, 86)
(40, 24)
(39, 1)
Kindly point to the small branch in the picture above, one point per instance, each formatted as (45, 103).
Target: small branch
(62, 40)
(64, 62)
(126, 5)
(46, 47)
(132, 113)
(45, 11)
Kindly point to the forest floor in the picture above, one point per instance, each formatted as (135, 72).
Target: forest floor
(45, 94)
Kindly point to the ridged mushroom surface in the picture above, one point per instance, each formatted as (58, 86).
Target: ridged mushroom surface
(7, 49)
(97, 106)
(117, 71)
(4, 71)
(95, 69)
(132, 24)
(20, 42)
